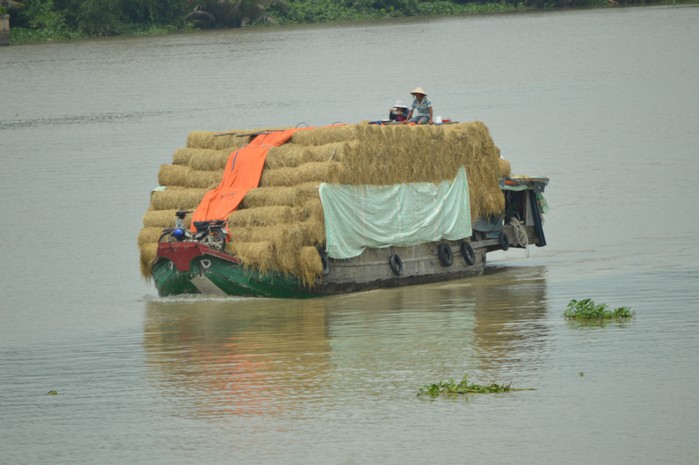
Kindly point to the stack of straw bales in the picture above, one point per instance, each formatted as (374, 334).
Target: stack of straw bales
(279, 224)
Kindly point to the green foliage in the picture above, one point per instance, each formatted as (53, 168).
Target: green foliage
(38, 20)
(232, 13)
(463, 387)
(586, 309)
(41, 14)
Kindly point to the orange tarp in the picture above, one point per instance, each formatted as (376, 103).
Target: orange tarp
(243, 171)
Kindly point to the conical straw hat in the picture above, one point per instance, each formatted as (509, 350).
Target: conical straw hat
(418, 90)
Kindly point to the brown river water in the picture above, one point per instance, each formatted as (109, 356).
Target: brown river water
(604, 102)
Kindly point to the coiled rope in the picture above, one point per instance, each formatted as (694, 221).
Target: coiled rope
(520, 234)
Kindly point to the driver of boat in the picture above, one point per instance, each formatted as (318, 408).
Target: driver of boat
(421, 107)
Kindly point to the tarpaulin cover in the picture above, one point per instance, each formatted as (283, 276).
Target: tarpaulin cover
(357, 217)
(242, 173)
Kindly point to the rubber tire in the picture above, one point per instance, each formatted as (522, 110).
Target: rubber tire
(446, 256)
(468, 253)
(165, 237)
(215, 240)
(325, 260)
(396, 264)
(504, 241)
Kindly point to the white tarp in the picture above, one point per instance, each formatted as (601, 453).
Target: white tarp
(357, 217)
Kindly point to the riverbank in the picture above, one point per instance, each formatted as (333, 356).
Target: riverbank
(295, 14)
(298, 13)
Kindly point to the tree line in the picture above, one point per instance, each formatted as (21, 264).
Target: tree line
(85, 18)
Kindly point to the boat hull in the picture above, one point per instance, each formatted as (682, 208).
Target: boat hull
(191, 268)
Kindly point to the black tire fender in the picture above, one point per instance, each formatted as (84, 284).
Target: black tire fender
(446, 256)
(504, 241)
(396, 264)
(468, 253)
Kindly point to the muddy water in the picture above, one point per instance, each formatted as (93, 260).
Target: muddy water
(602, 102)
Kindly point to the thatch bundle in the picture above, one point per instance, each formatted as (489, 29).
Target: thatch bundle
(279, 225)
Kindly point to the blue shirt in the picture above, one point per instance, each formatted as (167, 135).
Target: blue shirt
(421, 108)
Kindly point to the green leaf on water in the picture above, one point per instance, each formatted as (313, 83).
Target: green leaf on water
(587, 309)
(464, 387)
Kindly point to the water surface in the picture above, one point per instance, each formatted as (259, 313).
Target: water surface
(604, 102)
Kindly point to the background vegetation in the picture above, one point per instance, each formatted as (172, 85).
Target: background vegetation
(34, 20)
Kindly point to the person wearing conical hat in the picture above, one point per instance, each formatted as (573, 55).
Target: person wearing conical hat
(421, 108)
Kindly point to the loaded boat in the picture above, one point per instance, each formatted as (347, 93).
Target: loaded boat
(337, 209)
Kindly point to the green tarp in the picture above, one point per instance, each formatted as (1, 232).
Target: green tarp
(357, 217)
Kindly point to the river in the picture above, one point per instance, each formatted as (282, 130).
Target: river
(604, 102)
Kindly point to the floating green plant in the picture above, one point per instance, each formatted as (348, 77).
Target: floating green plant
(587, 309)
(463, 387)
(52, 393)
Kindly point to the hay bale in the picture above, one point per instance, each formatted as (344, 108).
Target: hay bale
(182, 157)
(270, 196)
(177, 198)
(161, 219)
(325, 135)
(292, 155)
(262, 216)
(173, 175)
(200, 140)
(147, 256)
(310, 267)
(327, 171)
(255, 255)
(504, 168)
(149, 235)
(208, 159)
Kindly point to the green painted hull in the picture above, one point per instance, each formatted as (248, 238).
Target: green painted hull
(218, 274)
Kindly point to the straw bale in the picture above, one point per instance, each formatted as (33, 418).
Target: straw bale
(505, 169)
(200, 140)
(173, 175)
(147, 255)
(161, 219)
(231, 141)
(287, 240)
(292, 155)
(182, 157)
(203, 179)
(314, 229)
(270, 196)
(149, 235)
(255, 255)
(310, 267)
(176, 198)
(208, 159)
(262, 216)
(325, 135)
(326, 171)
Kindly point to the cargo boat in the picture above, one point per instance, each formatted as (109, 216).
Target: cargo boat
(451, 249)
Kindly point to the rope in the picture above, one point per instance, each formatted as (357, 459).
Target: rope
(520, 233)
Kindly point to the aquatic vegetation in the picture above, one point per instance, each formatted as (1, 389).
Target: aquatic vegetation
(463, 387)
(52, 393)
(587, 309)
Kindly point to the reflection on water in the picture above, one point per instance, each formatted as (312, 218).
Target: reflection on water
(243, 357)
(265, 356)
(510, 312)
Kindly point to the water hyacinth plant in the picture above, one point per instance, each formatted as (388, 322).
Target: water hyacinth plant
(463, 387)
(586, 309)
